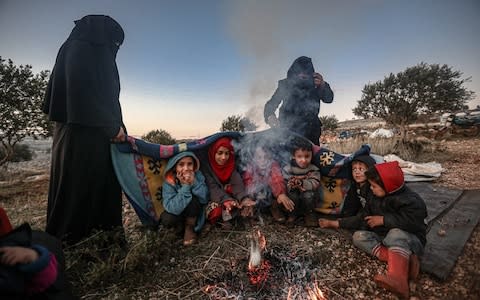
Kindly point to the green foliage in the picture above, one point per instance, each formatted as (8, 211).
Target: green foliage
(21, 99)
(238, 123)
(329, 122)
(400, 98)
(159, 137)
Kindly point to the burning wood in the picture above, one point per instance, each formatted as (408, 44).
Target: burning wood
(258, 267)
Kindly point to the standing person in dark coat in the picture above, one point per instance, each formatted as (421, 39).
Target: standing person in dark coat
(82, 98)
(301, 93)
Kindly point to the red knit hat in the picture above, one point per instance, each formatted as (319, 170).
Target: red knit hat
(391, 175)
(5, 226)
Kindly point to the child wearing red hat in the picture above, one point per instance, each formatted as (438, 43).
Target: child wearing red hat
(396, 228)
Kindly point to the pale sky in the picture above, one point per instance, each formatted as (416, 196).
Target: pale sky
(185, 66)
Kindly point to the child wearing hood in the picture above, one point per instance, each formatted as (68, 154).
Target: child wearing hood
(185, 194)
(359, 190)
(228, 197)
(392, 226)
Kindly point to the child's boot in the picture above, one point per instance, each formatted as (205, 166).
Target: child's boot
(290, 223)
(396, 279)
(380, 252)
(190, 237)
(414, 268)
(276, 212)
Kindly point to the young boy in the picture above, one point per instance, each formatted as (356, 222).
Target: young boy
(303, 180)
(393, 226)
(184, 194)
(264, 182)
(360, 188)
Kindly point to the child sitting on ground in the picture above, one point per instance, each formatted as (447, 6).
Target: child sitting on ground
(185, 195)
(303, 180)
(228, 197)
(360, 188)
(264, 182)
(26, 270)
(392, 226)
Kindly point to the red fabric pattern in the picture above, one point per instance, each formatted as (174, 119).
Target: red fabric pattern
(224, 172)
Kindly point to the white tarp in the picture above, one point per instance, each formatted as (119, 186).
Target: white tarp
(417, 171)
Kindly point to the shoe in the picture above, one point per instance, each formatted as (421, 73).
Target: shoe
(189, 237)
(396, 279)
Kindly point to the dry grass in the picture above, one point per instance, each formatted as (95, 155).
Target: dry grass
(155, 264)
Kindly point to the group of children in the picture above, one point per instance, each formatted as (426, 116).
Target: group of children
(388, 218)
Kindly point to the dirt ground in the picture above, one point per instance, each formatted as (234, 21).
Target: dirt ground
(155, 265)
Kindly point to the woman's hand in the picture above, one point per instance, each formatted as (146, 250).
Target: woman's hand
(120, 137)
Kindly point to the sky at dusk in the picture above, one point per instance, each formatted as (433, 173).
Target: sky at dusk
(185, 66)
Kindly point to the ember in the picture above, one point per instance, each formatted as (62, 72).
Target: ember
(258, 275)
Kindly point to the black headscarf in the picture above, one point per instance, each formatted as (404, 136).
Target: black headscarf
(84, 86)
(302, 65)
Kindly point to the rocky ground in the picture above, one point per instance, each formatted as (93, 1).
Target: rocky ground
(156, 266)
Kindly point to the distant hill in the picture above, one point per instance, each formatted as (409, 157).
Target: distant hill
(360, 124)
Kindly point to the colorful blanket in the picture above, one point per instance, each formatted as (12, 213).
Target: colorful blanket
(139, 166)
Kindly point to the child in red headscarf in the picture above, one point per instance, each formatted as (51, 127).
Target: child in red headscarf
(228, 197)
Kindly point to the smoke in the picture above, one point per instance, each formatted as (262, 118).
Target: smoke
(272, 33)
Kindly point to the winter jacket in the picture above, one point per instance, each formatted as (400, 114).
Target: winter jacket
(300, 99)
(310, 176)
(255, 179)
(219, 192)
(26, 279)
(176, 196)
(401, 208)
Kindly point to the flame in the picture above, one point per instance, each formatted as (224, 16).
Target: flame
(258, 268)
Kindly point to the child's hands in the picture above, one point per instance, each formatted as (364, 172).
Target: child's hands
(295, 183)
(17, 255)
(230, 204)
(186, 177)
(286, 202)
(247, 206)
(374, 221)
(324, 223)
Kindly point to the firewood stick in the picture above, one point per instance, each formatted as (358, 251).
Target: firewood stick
(208, 260)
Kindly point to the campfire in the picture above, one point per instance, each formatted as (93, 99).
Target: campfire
(271, 273)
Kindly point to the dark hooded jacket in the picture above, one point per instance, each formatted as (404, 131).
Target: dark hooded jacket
(301, 100)
(84, 85)
(401, 208)
(357, 194)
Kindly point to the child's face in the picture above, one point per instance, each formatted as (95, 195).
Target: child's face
(261, 158)
(302, 157)
(358, 171)
(185, 164)
(377, 190)
(222, 155)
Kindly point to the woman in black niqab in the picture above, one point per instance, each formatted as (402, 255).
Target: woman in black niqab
(82, 98)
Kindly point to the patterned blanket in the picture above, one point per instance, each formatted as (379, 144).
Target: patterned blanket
(139, 166)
